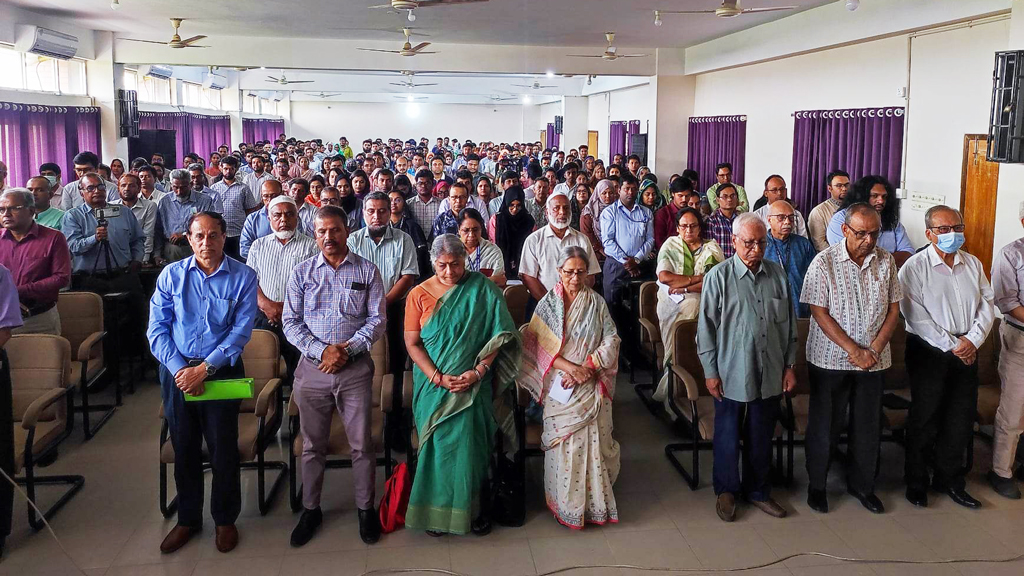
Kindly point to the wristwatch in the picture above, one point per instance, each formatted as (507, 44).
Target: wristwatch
(210, 369)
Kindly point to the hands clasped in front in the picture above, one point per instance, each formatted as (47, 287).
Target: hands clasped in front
(190, 380)
(334, 358)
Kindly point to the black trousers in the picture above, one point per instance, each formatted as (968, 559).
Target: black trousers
(942, 409)
(753, 423)
(6, 446)
(189, 423)
(832, 391)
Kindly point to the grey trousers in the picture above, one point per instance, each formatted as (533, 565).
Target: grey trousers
(46, 323)
(318, 396)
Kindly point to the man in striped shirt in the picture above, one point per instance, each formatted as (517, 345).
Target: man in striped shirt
(237, 200)
(273, 257)
(719, 223)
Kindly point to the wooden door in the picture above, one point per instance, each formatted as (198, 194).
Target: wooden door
(978, 186)
(592, 142)
(543, 138)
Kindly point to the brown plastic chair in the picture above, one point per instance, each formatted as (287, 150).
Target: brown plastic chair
(652, 350)
(81, 323)
(690, 401)
(382, 401)
(259, 420)
(516, 298)
(40, 372)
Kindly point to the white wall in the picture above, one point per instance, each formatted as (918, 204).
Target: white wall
(357, 121)
(597, 119)
(634, 103)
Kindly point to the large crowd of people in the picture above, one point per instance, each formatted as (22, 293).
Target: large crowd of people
(333, 249)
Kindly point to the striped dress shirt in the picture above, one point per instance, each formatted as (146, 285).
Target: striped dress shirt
(255, 183)
(173, 214)
(237, 200)
(274, 261)
(325, 306)
(394, 257)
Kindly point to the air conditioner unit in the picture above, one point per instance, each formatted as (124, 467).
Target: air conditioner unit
(46, 42)
(214, 81)
(277, 96)
(156, 71)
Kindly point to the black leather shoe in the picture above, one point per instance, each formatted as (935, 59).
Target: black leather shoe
(308, 523)
(961, 497)
(917, 497)
(869, 501)
(817, 500)
(369, 526)
(1005, 487)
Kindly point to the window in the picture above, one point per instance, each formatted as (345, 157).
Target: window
(250, 104)
(191, 95)
(40, 73)
(268, 107)
(212, 98)
(131, 79)
(155, 90)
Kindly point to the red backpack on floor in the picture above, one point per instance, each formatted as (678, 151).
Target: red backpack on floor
(395, 500)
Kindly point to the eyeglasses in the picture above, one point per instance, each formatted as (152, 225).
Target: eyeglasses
(11, 209)
(94, 188)
(689, 226)
(784, 217)
(776, 190)
(573, 273)
(751, 244)
(947, 229)
(331, 201)
(862, 234)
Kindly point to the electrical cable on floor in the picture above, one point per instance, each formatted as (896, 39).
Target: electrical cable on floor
(383, 571)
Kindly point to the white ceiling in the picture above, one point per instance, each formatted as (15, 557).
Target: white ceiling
(501, 22)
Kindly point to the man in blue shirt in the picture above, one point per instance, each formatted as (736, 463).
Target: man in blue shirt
(172, 215)
(257, 224)
(88, 241)
(627, 232)
(791, 250)
(201, 317)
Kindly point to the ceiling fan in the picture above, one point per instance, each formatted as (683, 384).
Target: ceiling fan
(535, 86)
(322, 95)
(410, 84)
(610, 53)
(500, 99)
(409, 5)
(283, 81)
(407, 49)
(175, 41)
(410, 97)
(728, 9)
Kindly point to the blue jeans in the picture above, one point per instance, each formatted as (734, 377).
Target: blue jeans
(753, 424)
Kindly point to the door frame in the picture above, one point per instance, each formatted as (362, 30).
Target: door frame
(963, 168)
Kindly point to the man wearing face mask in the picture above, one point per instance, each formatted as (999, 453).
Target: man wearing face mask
(51, 172)
(538, 265)
(273, 257)
(948, 305)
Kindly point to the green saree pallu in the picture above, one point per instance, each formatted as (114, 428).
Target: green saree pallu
(456, 431)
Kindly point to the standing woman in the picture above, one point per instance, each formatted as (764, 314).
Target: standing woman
(360, 184)
(213, 169)
(116, 170)
(512, 224)
(316, 186)
(580, 198)
(571, 342)
(466, 352)
(484, 191)
(352, 205)
(599, 173)
(605, 194)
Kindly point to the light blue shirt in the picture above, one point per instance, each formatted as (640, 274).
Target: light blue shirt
(627, 233)
(192, 315)
(895, 240)
(257, 225)
(124, 235)
(172, 214)
(218, 203)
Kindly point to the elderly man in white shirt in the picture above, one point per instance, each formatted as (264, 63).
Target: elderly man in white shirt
(538, 265)
(948, 305)
(775, 189)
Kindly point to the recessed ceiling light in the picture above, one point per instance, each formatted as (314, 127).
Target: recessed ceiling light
(526, 98)
(550, 74)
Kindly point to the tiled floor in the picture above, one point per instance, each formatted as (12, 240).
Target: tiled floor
(114, 527)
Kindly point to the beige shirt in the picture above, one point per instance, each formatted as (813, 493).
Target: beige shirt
(817, 223)
(542, 250)
(857, 297)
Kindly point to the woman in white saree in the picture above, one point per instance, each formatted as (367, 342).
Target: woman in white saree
(570, 359)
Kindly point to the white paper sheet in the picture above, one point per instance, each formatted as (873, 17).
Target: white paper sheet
(557, 392)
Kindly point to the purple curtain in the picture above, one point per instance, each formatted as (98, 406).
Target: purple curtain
(549, 140)
(616, 139)
(713, 140)
(256, 129)
(632, 127)
(195, 133)
(863, 141)
(31, 135)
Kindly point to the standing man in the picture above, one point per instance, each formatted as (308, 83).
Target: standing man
(447, 222)
(1008, 288)
(791, 251)
(838, 183)
(255, 179)
(10, 318)
(257, 224)
(42, 193)
(84, 163)
(665, 218)
(747, 342)
(720, 222)
(627, 233)
(129, 196)
(853, 294)
(424, 206)
(198, 178)
(238, 202)
(38, 260)
(775, 190)
(173, 214)
(201, 317)
(121, 239)
(724, 174)
(947, 302)
(333, 313)
(538, 264)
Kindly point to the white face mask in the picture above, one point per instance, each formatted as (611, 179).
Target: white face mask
(284, 234)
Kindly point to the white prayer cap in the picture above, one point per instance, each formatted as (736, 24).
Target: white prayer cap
(556, 195)
(280, 199)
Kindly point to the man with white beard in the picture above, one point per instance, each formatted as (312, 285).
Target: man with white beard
(273, 257)
(538, 266)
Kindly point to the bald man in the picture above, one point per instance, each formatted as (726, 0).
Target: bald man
(792, 251)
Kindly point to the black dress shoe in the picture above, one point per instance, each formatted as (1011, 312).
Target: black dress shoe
(961, 497)
(369, 526)
(869, 501)
(308, 523)
(917, 497)
(817, 500)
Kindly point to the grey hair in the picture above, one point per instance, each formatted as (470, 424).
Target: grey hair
(179, 175)
(379, 196)
(930, 214)
(570, 252)
(748, 219)
(23, 194)
(859, 208)
(99, 178)
(191, 167)
(447, 244)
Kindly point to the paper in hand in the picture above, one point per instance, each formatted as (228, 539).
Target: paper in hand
(557, 392)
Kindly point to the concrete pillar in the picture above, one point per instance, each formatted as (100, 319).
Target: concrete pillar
(231, 101)
(574, 121)
(104, 79)
(667, 135)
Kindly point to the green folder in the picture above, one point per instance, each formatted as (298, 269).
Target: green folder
(237, 389)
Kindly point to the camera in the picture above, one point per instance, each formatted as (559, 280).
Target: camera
(102, 214)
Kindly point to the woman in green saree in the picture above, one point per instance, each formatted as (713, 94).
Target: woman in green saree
(466, 350)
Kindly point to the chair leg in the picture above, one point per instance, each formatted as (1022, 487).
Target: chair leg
(166, 508)
(693, 480)
(265, 498)
(106, 410)
(294, 488)
(30, 481)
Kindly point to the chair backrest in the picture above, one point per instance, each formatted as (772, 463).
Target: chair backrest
(39, 363)
(379, 353)
(261, 358)
(685, 355)
(81, 316)
(649, 305)
(516, 297)
(803, 379)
